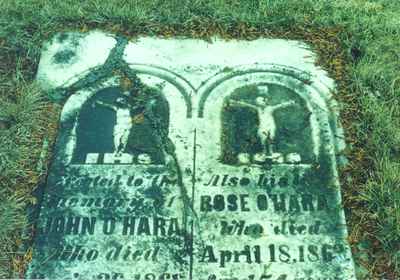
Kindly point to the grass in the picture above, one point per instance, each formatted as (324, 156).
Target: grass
(27, 113)
(367, 34)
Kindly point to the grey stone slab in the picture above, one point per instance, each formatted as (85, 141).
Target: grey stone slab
(182, 159)
(69, 56)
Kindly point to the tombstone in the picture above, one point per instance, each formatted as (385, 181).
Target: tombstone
(181, 159)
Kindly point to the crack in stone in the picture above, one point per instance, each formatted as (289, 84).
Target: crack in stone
(172, 163)
(113, 62)
(97, 74)
(168, 148)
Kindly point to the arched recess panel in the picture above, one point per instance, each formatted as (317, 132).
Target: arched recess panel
(281, 125)
(109, 122)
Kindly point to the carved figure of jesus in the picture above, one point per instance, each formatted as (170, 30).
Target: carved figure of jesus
(123, 123)
(267, 127)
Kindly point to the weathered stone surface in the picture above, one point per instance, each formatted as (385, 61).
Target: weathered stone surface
(181, 159)
(69, 56)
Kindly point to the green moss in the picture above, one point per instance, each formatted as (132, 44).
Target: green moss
(64, 56)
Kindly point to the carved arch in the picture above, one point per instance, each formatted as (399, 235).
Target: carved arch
(315, 93)
(180, 97)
